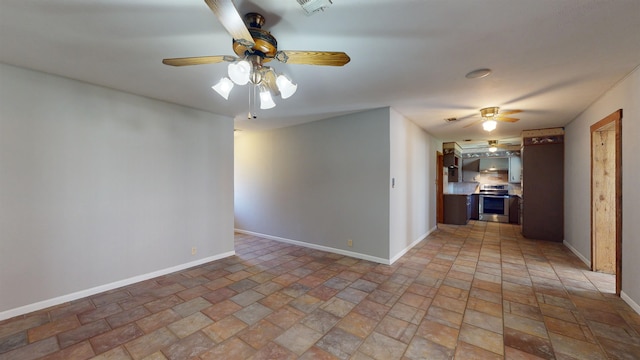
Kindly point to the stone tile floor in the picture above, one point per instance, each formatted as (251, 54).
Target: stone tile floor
(478, 291)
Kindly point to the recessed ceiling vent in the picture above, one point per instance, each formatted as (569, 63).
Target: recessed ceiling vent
(451, 119)
(311, 7)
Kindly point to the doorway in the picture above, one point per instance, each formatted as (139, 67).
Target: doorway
(439, 188)
(606, 196)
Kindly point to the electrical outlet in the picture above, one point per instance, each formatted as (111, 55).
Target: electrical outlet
(194, 250)
(349, 243)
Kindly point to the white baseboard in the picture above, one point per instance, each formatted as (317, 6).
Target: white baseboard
(420, 238)
(318, 247)
(102, 288)
(577, 253)
(634, 305)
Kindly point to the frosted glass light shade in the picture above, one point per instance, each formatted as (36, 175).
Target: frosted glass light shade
(223, 87)
(489, 125)
(266, 101)
(286, 87)
(239, 72)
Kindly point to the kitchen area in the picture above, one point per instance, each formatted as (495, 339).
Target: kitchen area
(488, 183)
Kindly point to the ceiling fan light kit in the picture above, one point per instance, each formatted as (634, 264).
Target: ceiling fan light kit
(266, 101)
(489, 125)
(493, 145)
(223, 87)
(286, 87)
(239, 72)
(255, 46)
(489, 113)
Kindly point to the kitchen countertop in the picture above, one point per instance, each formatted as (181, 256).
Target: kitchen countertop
(471, 188)
(462, 193)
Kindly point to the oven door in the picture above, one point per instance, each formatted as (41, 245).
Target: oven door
(494, 208)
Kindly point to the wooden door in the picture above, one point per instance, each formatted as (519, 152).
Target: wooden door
(439, 188)
(606, 196)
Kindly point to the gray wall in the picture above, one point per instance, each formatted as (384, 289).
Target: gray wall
(625, 95)
(320, 183)
(99, 186)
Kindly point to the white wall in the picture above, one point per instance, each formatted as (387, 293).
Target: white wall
(412, 200)
(319, 183)
(626, 96)
(99, 186)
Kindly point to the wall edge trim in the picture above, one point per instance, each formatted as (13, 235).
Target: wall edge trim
(414, 243)
(318, 247)
(634, 305)
(577, 253)
(22, 310)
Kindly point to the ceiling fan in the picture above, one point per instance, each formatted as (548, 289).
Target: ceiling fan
(494, 145)
(255, 46)
(490, 116)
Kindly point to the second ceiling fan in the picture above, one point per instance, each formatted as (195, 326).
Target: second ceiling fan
(490, 115)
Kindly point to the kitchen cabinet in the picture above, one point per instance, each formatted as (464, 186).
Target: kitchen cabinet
(492, 164)
(514, 209)
(470, 169)
(543, 184)
(515, 169)
(454, 174)
(451, 160)
(457, 209)
(474, 208)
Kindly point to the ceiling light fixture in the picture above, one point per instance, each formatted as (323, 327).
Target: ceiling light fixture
(479, 73)
(263, 78)
(489, 125)
(493, 145)
(488, 114)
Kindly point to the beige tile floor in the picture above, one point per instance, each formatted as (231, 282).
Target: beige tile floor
(478, 291)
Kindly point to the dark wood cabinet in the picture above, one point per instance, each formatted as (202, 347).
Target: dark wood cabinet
(470, 169)
(455, 175)
(474, 208)
(458, 209)
(543, 188)
(514, 209)
(451, 160)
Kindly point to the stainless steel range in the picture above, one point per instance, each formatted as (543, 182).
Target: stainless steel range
(494, 202)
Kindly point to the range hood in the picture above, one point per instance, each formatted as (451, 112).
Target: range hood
(494, 165)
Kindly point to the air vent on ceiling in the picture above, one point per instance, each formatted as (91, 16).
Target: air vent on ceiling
(451, 119)
(312, 6)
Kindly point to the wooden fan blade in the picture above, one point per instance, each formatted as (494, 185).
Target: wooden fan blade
(329, 58)
(473, 123)
(505, 119)
(509, 112)
(229, 17)
(198, 60)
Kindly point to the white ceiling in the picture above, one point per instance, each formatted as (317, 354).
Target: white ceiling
(550, 58)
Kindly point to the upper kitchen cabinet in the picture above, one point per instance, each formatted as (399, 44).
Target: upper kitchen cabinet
(453, 160)
(494, 164)
(515, 169)
(452, 154)
(543, 184)
(470, 169)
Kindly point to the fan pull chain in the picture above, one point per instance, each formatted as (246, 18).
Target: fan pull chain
(252, 103)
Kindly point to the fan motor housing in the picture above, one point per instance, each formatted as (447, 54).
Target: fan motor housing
(266, 44)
